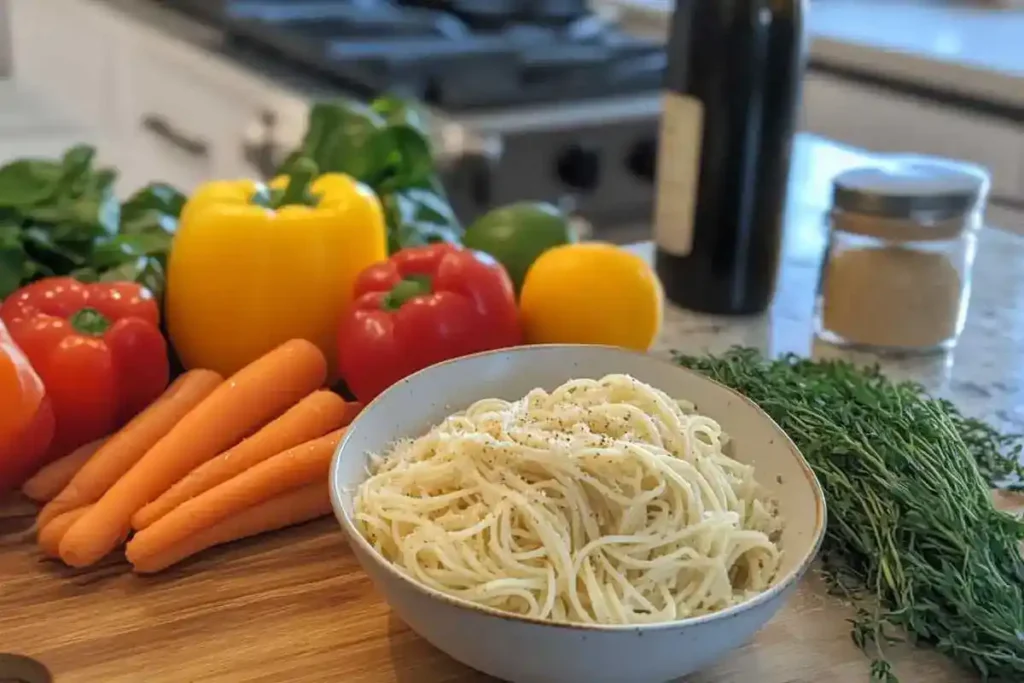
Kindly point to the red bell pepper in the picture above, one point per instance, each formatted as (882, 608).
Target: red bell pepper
(98, 349)
(423, 306)
(26, 417)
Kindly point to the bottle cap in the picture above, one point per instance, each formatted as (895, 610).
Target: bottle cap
(912, 187)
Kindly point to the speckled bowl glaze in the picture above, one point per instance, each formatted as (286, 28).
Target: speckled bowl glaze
(524, 650)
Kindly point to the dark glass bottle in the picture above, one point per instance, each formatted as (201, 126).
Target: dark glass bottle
(731, 95)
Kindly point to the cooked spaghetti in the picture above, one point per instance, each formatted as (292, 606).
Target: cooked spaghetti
(601, 502)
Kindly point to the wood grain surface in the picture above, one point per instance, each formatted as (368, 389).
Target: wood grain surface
(294, 606)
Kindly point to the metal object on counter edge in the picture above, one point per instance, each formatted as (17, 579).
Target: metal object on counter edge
(20, 669)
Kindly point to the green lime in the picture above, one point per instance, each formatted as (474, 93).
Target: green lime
(516, 234)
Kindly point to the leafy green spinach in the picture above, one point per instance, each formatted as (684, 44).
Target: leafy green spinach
(61, 217)
(385, 145)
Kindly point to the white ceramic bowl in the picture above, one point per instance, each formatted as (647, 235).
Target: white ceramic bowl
(524, 650)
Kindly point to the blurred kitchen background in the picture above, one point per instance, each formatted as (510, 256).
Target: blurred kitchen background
(187, 90)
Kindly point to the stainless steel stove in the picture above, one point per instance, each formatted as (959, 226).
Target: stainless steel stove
(532, 99)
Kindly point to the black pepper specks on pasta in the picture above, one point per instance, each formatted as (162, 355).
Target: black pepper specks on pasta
(550, 473)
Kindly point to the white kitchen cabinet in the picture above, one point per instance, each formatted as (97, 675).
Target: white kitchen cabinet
(166, 110)
(173, 123)
(187, 112)
(189, 125)
(883, 121)
(31, 126)
(62, 48)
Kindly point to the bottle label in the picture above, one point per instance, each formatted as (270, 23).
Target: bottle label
(682, 130)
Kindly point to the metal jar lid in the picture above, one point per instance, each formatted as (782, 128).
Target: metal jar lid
(911, 187)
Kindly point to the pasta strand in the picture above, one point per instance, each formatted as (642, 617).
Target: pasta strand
(602, 502)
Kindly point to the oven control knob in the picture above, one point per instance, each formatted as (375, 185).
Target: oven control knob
(579, 168)
(642, 160)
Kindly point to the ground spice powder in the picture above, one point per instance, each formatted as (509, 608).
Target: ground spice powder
(897, 272)
(892, 296)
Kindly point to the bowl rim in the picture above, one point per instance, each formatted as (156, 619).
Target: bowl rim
(780, 586)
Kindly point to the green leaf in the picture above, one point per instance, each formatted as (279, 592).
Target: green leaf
(420, 233)
(81, 219)
(398, 112)
(148, 271)
(159, 197)
(12, 260)
(10, 233)
(416, 217)
(418, 205)
(404, 158)
(338, 139)
(103, 180)
(386, 146)
(123, 248)
(108, 214)
(44, 247)
(153, 209)
(27, 182)
(10, 271)
(82, 203)
(76, 165)
(431, 207)
(85, 274)
(63, 218)
(99, 202)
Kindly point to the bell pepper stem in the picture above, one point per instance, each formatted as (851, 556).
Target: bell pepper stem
(297, 192)
(410, 287)
(90, 322)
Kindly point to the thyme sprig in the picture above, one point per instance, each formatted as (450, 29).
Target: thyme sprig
(913, 537)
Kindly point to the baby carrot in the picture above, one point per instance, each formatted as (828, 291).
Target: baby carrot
(354, 408)
(252, 397)
(51, 480)
(320, 412)
(49, 536)
(292, 469)
(288, 509)
(123, 449)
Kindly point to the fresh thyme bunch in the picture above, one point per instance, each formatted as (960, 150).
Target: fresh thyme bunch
(911, 526)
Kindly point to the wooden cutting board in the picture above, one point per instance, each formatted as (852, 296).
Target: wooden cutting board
(294, 606)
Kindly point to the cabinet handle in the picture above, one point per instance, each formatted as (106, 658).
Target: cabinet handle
(159, 126)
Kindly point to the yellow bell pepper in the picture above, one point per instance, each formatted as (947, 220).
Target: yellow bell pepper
(252, 267)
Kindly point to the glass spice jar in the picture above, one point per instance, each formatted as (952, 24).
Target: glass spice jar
(897, 271)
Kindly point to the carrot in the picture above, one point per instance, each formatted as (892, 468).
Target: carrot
(252, 397)
(288, 509)
(123, 449)
(51, 480)
(49, 536)
(313, 416)
(284, 472)
(354, 408)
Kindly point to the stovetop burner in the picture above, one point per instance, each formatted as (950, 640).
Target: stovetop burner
(454, 54)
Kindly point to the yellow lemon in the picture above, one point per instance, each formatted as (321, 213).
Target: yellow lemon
(591, 293)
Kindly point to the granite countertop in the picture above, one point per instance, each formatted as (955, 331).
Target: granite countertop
(984, 375)
(970, 48)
